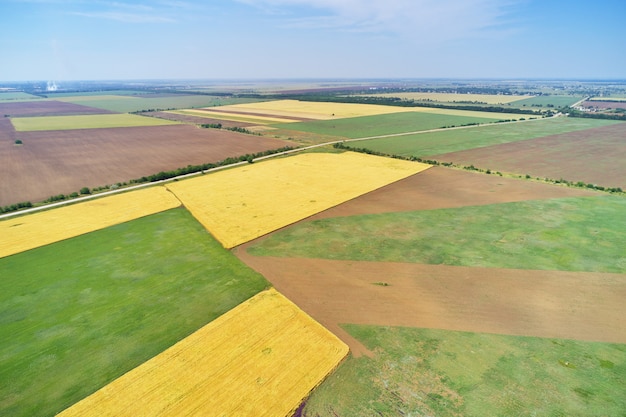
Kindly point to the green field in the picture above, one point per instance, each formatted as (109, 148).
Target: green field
(547, 102)
(366, 126)
(129, 103)
(95, 121)
(435, 143)
(79, 313)
(570, 234)
(423, 372)
(17, 96)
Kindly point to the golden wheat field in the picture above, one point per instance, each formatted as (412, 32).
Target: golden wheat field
(237, 117)
(260, 359)
(453, 97)
(33, 230)
(314, 110)
(242, 204)
(327, 111)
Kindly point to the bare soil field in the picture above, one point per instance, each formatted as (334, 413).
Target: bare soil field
(54, 162)
(439, 187)
(605, 104)
(593, 156)
(574, 305)
(253, 113)
(569, 305)
(184, 118)
(47, 108)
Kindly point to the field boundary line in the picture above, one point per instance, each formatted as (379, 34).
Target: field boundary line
(236, 164)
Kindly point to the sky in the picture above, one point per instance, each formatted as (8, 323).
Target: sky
(60, 40)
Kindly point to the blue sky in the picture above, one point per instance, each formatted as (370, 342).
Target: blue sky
(274, 39)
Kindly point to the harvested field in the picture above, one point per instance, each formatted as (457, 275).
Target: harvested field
(333, 111)
(593, 156)
(427, 144)
(96, 121)
(605, 104)
(232, 116)
(184, 118)
(33, 230)
(261, 358)
(454, 98)
(569, 305)
(46, 108)
(440, 187)
(53, 162)
(244, 203)
(80, 313)
(504, 301)
(314, 110)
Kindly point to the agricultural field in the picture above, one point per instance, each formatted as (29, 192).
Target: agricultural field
(387, 124)
(429, 144)
(591, 156)
(457, 292)
(445, 373)
(138, 103)
(232, 116)
(526, 278)
(70, 160)
(266, 357)
(242, 204)
(572, 234)
(43, 228)
(547, 101)
(96, 121)
(604, 105)
(312, 110)
(490, 99)
(77, 314)
(45, 108)
(17, 96)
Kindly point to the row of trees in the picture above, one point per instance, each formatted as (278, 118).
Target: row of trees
(578, 184)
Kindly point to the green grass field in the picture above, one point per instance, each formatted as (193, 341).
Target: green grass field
(95, 121)
(79, 313)
(570, 234)
(545, 102)
(366, 126)
(129, 103)
(423, 372)
(17, 96)
(435, 143)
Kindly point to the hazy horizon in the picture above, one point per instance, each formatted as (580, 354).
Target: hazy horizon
(272, 40)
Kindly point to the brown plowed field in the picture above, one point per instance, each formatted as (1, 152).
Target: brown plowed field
(575, 305)
(440, 187)
(54, 162)
(47, 108)
(249, 113)
(184, 118)
(593, 156)
(605, 104)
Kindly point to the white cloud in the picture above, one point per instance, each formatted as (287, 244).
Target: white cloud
(417, 20)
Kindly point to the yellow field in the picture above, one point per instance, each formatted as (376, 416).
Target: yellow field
(327, 111)
(260, 359)
(314, 110)
(85, 121)
(38, 229)
(241, 204)
(451, 97)
(607, 98)
(233, 116)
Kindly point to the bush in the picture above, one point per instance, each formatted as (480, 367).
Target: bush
(18, 142)
(85, 190)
